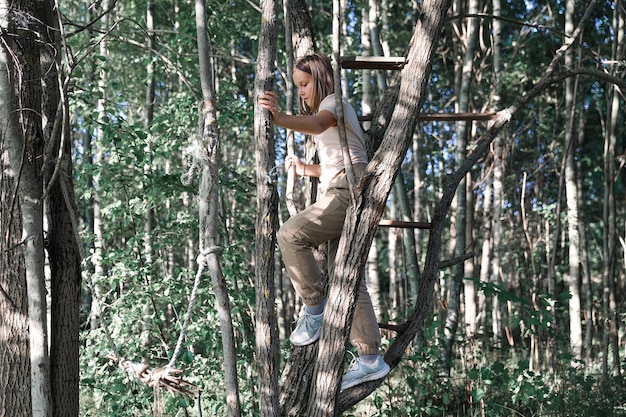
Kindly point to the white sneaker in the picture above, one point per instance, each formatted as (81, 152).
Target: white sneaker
(308, 328)
(360, 372)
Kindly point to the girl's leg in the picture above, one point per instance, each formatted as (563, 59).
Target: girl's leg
(364, 334)
(311, 227)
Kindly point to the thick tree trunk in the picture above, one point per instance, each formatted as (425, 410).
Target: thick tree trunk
(64, 253)
(267, 218)
(302, 33)
(15, 396)
(365, 213)
(25, 153)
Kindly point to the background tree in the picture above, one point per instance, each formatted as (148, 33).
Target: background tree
(14, 349)
(267, 216)
(37, 159)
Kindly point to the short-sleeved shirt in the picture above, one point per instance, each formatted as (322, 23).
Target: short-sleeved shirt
(329, 146)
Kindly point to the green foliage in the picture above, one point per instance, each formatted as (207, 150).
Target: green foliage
(501, 388)
(132, 168)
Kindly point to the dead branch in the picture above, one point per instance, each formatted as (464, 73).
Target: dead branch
(167, 377)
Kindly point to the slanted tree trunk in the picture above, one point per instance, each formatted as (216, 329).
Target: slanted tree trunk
(365, 212)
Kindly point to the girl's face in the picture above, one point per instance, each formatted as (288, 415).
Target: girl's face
(304, 82)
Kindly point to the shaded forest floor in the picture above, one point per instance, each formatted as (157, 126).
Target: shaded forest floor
(503, 387)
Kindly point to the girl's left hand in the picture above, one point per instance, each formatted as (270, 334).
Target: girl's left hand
(292, 161)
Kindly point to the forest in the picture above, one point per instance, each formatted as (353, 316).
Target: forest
(142, 187)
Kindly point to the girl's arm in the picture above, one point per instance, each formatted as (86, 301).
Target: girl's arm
(302, 169)
(309, 125)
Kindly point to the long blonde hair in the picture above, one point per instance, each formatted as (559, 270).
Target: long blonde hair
(321, 70)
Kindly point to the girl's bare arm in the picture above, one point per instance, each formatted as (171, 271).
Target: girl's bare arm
(310, 125)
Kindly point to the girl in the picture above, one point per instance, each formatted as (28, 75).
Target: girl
(323, 221)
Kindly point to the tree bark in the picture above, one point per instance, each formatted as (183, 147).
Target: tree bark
(411, 265)
(302, 33)
(63, 250)
(463, 97)
(267, 218)
(571, 194)
(25, 153)
(208, 211)
(148, 225)
(365, 212)
(15, 395)
(609, 302)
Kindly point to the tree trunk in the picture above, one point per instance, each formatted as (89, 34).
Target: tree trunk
(25, 153)
(486, 255)
(619, 24)
(294, 395)
(292, 208)
(411, 266)
(463, 96)
(148, 226)
(373, 282)
(304, 44)
(15, 395)
(571, 193)
(208, 211)
(302, 33)
(63, 250)
(359, 228)
(395, 286)
(609, 303)
(267, 218)
(588, 292)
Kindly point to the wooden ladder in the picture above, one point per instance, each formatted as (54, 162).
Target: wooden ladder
(396, 64)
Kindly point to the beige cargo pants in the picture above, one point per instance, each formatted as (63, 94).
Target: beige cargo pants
(317, 224)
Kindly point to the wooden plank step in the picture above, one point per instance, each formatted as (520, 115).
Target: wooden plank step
(446, 117)
(404, 225)
(373, 62)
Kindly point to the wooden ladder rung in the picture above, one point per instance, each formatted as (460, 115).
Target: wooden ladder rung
(446, 117)
(372, 62)
(404, 224)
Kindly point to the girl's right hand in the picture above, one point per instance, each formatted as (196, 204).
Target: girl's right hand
(269, 101)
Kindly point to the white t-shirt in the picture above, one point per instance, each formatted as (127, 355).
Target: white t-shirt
(329, 146)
